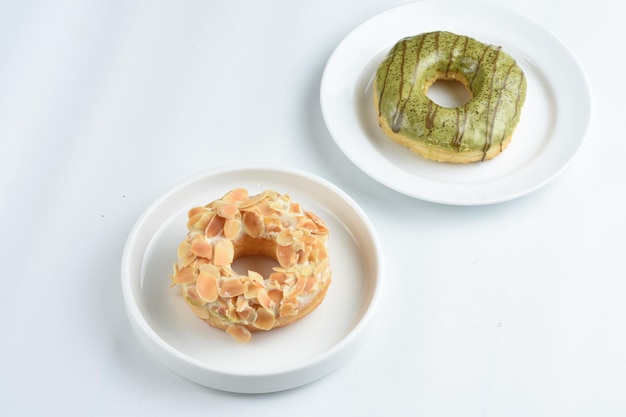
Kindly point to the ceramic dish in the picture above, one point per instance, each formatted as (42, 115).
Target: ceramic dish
(554, 118)
(276, 360)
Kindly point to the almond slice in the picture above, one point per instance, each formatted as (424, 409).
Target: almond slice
(285, 238)
(184, 249)
(214, 227)
(232, 227)
(223, 252)
(206, 286)
(186, 275)
(321, 226)
(265, 319)
(251, 201)
(247, 316)
(238, 194)
(192, 297)
(321, 266)
(276, 295)
(227, 211)
(263, 298)
(288, 308)
(199, 221)
(255, 277)
(196, 210)
(297, 289)
(232, 287)
(209, 268)
(285, 255)
(278, 277)
(239, 332)
(202, 248)
(253, 224)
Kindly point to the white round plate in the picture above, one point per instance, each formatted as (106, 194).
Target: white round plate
(554, 118)
(272, 361)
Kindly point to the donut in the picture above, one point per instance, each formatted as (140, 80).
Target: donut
(476, 131)
(236, 225)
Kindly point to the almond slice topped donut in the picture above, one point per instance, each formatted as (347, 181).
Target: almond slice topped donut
(236, 225)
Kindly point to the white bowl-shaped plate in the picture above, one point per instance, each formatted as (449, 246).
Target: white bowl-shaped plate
(554, 118)
(275, 360)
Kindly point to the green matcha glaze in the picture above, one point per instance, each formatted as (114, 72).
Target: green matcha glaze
(496, 82)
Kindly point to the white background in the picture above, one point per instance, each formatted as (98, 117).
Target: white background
(512, 309)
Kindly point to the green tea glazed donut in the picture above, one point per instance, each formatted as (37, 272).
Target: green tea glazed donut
(477, 131)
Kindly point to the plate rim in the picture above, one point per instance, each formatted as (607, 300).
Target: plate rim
(583, 91)
(276, 379)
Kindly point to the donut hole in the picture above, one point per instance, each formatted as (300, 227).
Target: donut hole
(449, 93)
(259, 263)
(257, 255)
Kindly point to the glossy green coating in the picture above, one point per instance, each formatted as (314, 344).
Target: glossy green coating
(497, 84)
